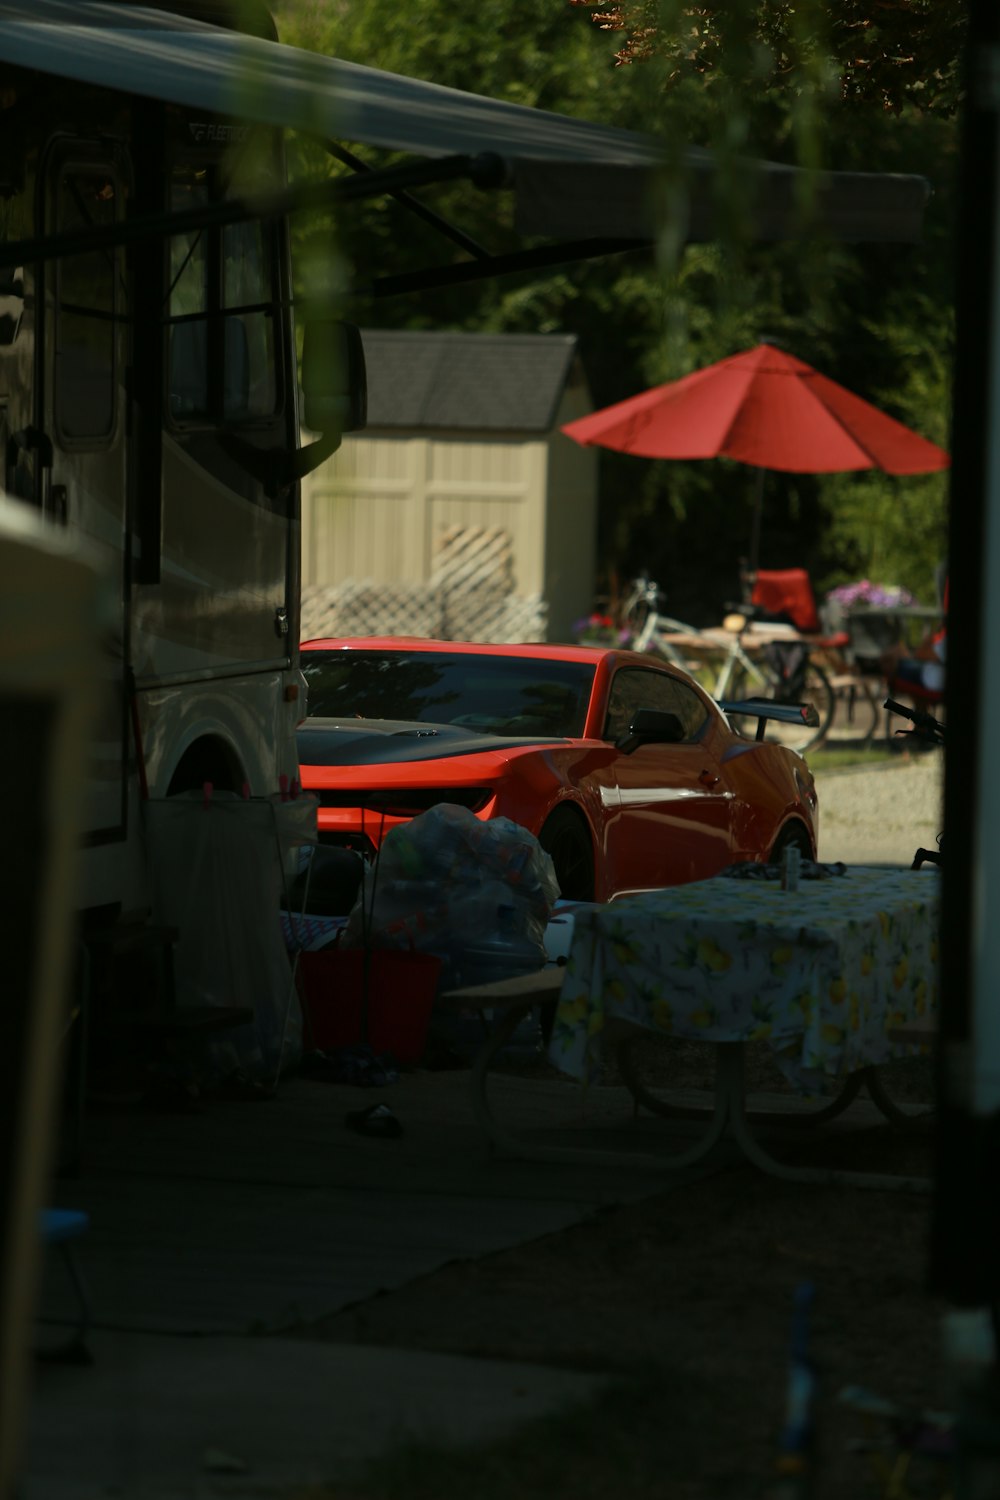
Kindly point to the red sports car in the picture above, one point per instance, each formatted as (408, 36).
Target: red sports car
(629, 774)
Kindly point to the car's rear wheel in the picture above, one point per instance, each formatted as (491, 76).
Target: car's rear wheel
(566, 838)
(792, 836)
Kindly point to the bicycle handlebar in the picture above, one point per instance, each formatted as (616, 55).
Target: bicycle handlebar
(924, 724)
(642, 590)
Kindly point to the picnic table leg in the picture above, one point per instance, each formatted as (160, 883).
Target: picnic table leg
(729, 1078)
(658, 1106)
(510, 1143)
(641, 1097)
(903, 1119)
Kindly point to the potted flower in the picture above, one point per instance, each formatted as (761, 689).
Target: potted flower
(598, 629)
(869, 637)
(848, 597)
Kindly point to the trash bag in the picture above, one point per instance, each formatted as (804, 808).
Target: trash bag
(476, 894)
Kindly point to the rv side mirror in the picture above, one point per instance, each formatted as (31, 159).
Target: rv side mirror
(334, 382)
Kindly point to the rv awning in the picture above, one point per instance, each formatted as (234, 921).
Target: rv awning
(572, 179)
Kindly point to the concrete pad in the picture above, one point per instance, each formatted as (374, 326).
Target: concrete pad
(260, 1218)
(179, 1419)
(255, 1218)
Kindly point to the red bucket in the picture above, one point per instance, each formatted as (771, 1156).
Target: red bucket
(401, 991)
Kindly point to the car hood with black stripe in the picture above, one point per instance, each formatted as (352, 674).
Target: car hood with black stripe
(374, 742)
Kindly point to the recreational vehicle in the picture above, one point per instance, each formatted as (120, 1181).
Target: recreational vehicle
(149, 400)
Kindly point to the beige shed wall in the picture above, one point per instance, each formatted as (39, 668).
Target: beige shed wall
(489, 482)
(376, 509)
(570, 522)
(360, 517)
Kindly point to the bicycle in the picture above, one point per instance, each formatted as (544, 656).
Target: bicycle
(650, 630)
(784, 671)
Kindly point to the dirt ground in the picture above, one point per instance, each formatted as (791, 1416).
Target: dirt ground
(691, 1291)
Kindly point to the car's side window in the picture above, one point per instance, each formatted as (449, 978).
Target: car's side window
(677, 698)
(636, 687)
(622, 703)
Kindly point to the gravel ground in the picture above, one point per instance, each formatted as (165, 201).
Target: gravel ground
(881, 816)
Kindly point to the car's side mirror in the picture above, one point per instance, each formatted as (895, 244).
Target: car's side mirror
(651, 726)
(334, 381)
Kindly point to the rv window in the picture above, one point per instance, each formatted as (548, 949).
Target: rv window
(250, 344)
(188, 295)
(85, 312)
(222, 368)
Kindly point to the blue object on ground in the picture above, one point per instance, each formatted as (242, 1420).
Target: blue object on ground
(61, 1224)
(60, 1228)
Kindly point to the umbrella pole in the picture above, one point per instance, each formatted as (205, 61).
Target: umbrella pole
(758, 506)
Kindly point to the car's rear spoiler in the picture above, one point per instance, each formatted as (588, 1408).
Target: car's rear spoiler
(763, 709)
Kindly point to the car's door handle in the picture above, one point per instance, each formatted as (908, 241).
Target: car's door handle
(708, 778)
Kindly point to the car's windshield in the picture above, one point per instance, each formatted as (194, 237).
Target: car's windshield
(491, 694)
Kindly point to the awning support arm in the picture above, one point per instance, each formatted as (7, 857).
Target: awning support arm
(413, 205)
(497, 265)
(485, 170)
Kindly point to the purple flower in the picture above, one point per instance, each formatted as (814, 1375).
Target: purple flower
(867, 595)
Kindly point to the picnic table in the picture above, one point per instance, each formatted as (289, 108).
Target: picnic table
(874, 631)
(825, 975)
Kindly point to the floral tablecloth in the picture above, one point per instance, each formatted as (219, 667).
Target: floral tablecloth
(820, 973)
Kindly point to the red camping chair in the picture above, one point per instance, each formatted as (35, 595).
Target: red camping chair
(787, 595)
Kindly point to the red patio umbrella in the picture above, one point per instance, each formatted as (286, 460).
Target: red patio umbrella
(766, 408)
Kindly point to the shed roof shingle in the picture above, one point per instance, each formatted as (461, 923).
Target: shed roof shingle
(503, 382)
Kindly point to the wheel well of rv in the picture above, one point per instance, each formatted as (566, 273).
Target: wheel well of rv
(208, 759)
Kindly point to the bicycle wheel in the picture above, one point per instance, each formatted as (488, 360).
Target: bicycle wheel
(766, 683)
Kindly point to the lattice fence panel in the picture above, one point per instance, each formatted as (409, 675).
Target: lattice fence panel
(469, 597)
(473, 577)
(472, 559)
(363, 607)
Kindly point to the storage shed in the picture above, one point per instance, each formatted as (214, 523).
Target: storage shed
(461, 510)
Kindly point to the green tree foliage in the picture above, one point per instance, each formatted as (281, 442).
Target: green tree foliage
(891, 53)
(856, 84)
(514, 50)
(763, 79)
